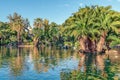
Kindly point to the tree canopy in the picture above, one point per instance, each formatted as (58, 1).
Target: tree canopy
(94, 27)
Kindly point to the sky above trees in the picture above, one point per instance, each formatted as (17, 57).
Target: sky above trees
(54, 10)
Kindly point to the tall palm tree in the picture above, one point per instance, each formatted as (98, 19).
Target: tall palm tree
(17, 24)
(38, 23)
(107, 23)
(46, 29)
(46, 25)
(79, 26)
(37, 31)
(53, 32)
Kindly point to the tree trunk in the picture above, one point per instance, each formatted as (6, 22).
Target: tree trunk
(101, 42)
(18, 38)
(91, 44)
(36, 42)
(82, 42)
(87, 45)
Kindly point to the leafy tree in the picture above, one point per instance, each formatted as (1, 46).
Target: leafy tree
(18, 24)
(37, 31)
(5, 33)
(53, 32)
(91, 25)
(46, 30)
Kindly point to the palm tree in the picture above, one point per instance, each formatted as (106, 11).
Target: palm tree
(46, 25)
(107, 23)
(53, 32)
(46, 29)
(91, 25)
(17, 24)
(37, 31)
(79, 26)
(38, 23)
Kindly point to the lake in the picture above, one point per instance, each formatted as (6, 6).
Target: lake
(52, 63)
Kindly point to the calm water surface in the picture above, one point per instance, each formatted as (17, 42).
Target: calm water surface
(34, 64)
(51, 64)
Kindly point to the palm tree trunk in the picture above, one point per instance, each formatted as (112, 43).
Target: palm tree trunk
(91, 45)
(36, 41)
(101, 42)
(18, 38)
(87, 45)
(82, 42)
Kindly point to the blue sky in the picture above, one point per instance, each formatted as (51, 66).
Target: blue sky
(53, 10)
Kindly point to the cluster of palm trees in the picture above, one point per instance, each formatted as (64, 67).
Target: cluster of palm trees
(19, 30)
(44, 31)
(94, 27)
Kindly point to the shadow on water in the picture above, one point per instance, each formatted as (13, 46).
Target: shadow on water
(93, 67)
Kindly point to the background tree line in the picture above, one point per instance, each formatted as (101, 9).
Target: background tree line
(93, 28)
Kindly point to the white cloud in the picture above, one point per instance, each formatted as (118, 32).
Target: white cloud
(118, 0)
(66, 5)
(81, 4)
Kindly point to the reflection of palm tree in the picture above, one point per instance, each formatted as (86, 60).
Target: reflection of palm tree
(100, 62)
(95, 69)
(37, 64)
(35, 53)
(91, 61)
(17, 64)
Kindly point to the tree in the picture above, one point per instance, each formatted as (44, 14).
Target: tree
(37, 31)
(5, 33)
(91, 25)
(18, 24)
(38, 23)
(53, 32)
(46, 29)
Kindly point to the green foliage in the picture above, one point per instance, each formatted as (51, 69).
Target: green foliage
(91, 21)
(37, 32)
(5, 33)
(88, 21)
(53, 31)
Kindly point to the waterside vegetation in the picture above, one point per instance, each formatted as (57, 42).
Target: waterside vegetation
(92, 29)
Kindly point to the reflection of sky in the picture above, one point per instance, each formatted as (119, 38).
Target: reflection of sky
(53, 72)
(55, 66)
(4, 73)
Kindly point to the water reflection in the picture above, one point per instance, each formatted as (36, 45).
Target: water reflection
(34, 63)
(16, 63)
(94, 67)
(51, 63)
